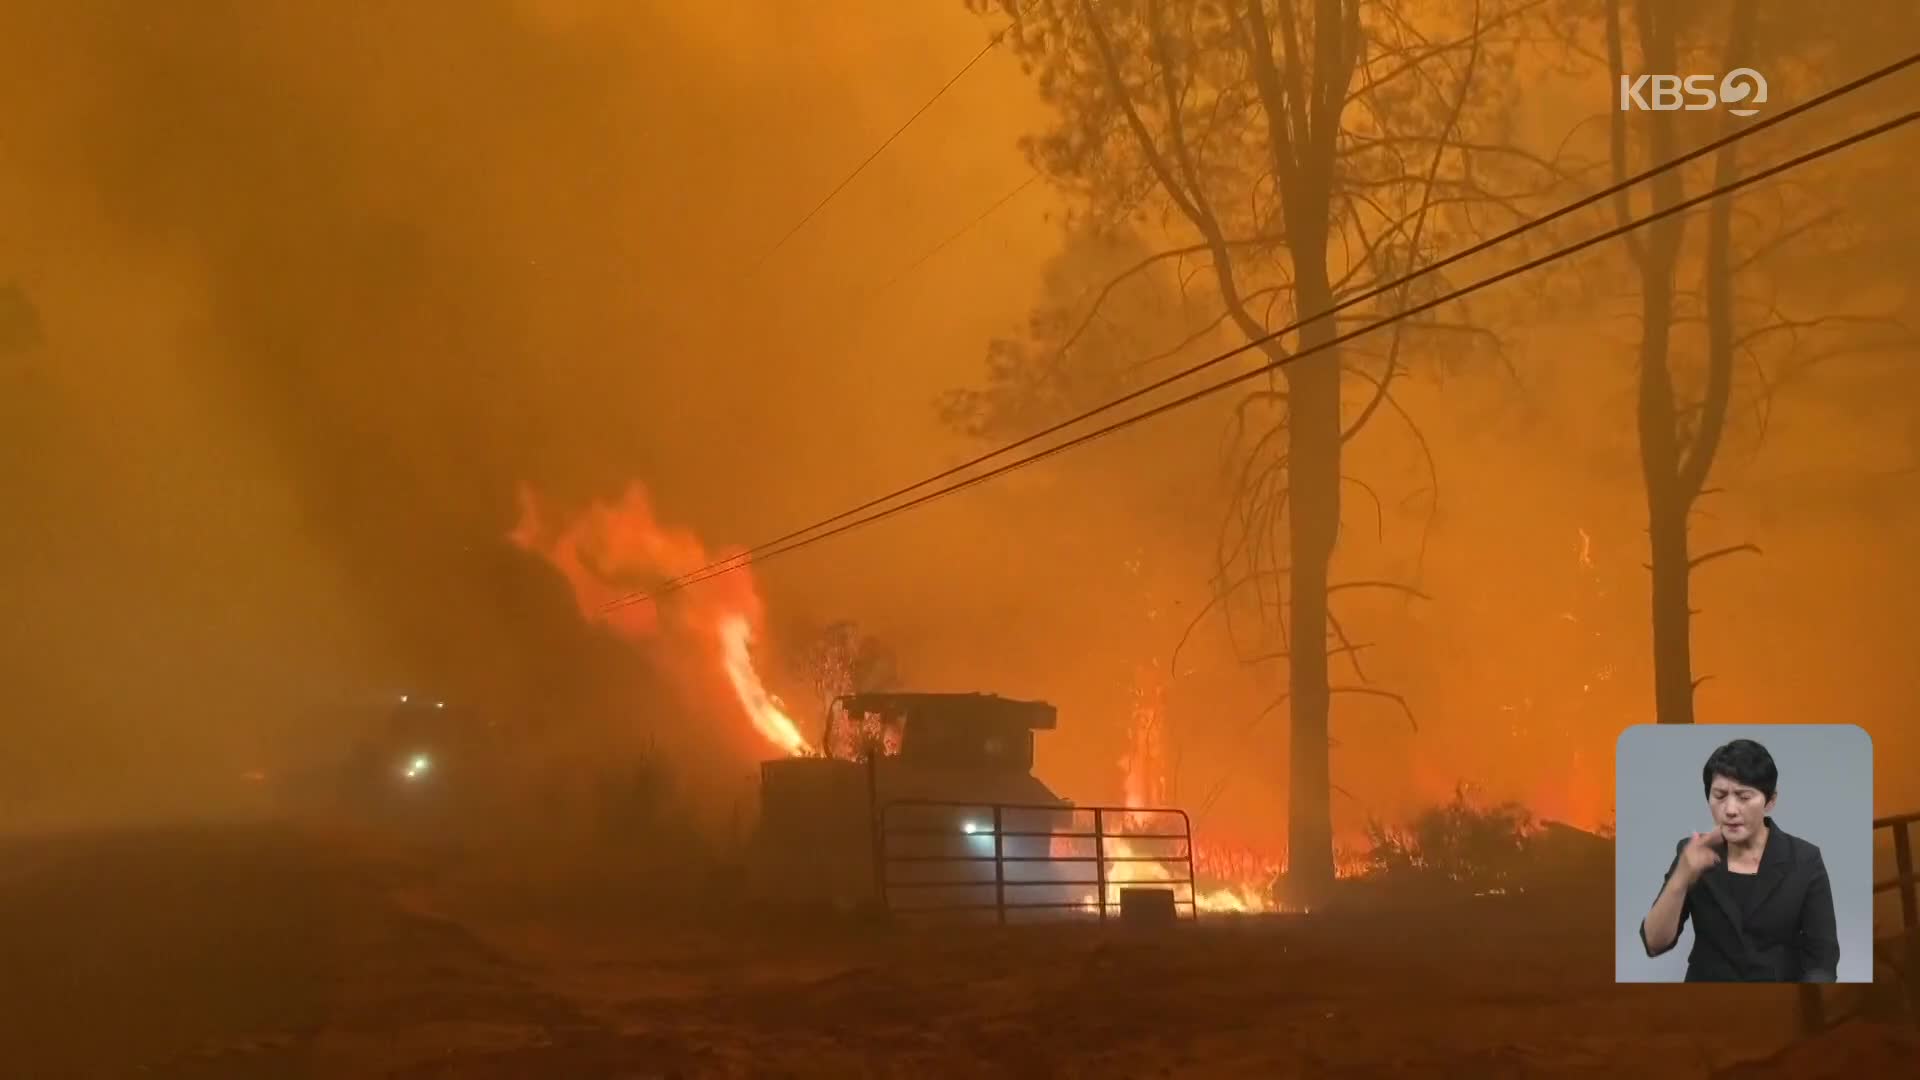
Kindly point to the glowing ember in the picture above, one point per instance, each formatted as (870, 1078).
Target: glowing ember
(615, 550)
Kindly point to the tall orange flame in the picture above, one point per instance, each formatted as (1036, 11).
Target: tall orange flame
(615, 550)
(1238, 876)
(768, 712)
(1144, 767)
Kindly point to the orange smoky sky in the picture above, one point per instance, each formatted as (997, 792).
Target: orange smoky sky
(318, 290)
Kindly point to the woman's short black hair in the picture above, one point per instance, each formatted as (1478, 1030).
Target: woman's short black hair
(1745, 761)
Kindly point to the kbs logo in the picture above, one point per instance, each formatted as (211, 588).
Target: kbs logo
(1741, 87)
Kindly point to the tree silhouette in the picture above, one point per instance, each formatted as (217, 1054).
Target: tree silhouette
(1725, 322)
(1295, 153)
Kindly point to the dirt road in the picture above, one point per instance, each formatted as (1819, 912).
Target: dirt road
(266, 952)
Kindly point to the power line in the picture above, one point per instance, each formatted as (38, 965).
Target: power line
(1339, 339)
(726, 567)
(877, 151)
(1135, 395)
(963, 230)
(859, 308)
(702, 573)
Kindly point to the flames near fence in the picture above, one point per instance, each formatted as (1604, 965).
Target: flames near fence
(1018, 862)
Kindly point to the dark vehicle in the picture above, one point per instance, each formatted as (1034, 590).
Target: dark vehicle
(821, 817)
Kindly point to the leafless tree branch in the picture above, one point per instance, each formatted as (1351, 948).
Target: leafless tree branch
(1379, 511)
(1106, 291)
(1720, 553)
(1346, 648)
(1374, 691)
(1394, 586)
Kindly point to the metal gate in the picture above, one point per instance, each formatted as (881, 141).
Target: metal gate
(1023, 861)
(1901, 947)
(1898, 947)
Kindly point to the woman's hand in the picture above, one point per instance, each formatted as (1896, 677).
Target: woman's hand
(1702, 853)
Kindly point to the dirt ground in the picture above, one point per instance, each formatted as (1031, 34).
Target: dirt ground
(268, 952)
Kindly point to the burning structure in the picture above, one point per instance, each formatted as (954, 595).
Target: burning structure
(818, 837)
(934, 794)
(820, 804)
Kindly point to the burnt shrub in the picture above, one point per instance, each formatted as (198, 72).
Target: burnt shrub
(1462, 842)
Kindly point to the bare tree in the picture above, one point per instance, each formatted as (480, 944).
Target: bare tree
(1295, 153)
(1753, 342)
(1677, 441)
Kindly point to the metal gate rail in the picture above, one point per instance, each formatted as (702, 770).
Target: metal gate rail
(1177, 868)
(1900, 947)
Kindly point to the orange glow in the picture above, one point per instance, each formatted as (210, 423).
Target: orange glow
(613, 551)
(1144, 768)
(1230, 878)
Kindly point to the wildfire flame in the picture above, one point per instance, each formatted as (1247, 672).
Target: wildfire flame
(1240, 876)
(1248, 873)
(768, 712)
(1144, 768)
(1231, 877)
(614, 550)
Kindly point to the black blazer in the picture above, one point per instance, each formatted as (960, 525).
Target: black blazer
(1788, 937)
